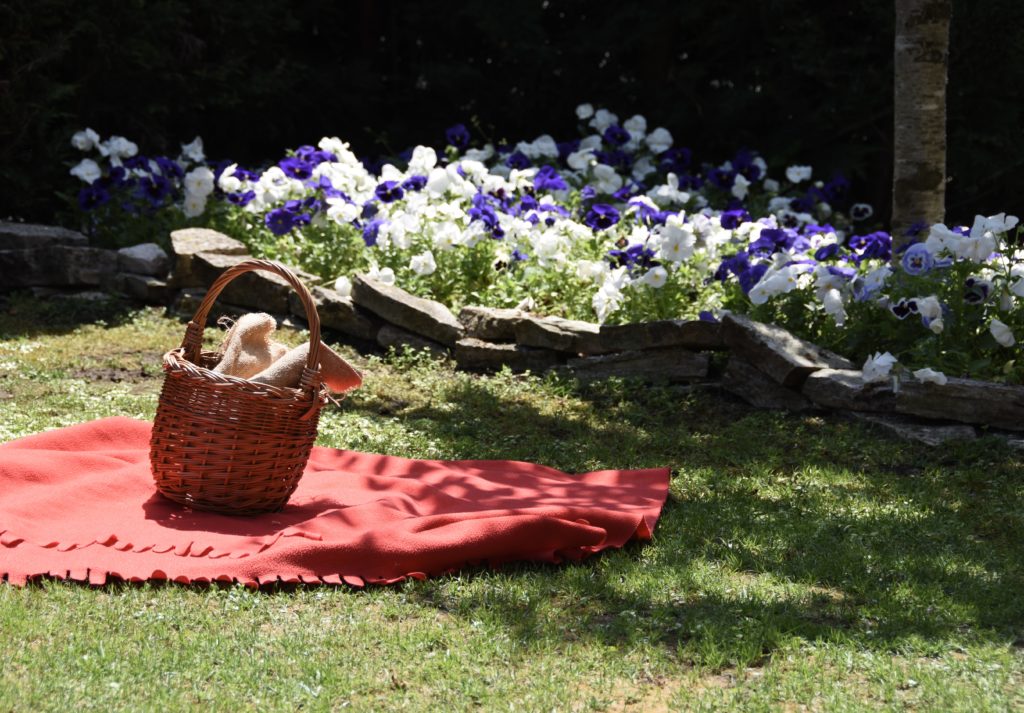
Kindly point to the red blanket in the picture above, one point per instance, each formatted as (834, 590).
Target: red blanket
(79, 503)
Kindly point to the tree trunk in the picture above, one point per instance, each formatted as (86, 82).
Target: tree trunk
(921, 61)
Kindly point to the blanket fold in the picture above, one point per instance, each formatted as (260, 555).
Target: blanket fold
(79, 503)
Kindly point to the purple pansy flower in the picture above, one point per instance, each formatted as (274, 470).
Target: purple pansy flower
(457, 136)
(92, 197)
(601, 216)
(389, 192)
(616, 135)
(547, 179)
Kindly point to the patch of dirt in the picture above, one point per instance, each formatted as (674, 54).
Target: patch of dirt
(145, 367)
(114, 374)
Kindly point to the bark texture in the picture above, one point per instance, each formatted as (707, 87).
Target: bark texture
(919, 138)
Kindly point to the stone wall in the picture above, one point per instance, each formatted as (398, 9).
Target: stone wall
(763, 364)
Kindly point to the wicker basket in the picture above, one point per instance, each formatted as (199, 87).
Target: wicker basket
(230, 445)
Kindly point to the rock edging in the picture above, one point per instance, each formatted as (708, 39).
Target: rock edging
(767, 366)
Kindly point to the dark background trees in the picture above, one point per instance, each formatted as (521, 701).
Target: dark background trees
(799, 81)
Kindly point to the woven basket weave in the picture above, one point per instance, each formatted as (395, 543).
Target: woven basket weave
(230, 445)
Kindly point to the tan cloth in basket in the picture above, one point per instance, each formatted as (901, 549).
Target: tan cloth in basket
(248, 348)
(337, 374)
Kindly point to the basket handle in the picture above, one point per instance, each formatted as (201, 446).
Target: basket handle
(192, 343)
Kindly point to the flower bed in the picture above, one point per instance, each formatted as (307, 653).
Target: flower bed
(619, 225)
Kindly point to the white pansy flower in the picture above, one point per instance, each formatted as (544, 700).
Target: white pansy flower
(876, 280)
(389, 172)
(384, 275)
(343, 286)
(930, 310)
(227, 181)
(341, 211)
(484, 154)
(193, 205)
(609, 297)
(677, 239)
(473, 234)
(1017, 271)
(549, 247)
(656, 277)
(545, 146)
(423, 264)
(636, 125)
(593, 142)
(580, 160)
(118, 147)
(438, 181)
(797, 174)
(778, 204)
(940, 238)
(1002, 333)
(606, 179)
(603, 119)
(930, 376)
(194, 150)
(670, 193)
(740, 186)
(832, 300)
(423, 161)
(999, 223)
(605, 302)
(659, 140)
(591, 269)
(770, 185)
(777, 281)
(199, 181)
(86, 170)
(976, 249)
(643, 168)
(446, 235)
(334, 145)
(877, 367)
(584, 111)
(85, 140)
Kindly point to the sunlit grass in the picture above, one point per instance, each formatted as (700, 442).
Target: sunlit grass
(801, 561)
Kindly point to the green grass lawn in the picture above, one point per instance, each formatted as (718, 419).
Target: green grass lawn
(801, 562)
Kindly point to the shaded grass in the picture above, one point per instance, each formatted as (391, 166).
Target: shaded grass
(800, 561)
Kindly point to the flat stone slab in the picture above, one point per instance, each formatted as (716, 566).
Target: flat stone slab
(392, 336)
(742, 379)
(964, 400)
(692, 334)
(56, 266)
(669, 364)
(188, 242)
(24, 236)
(147, 288)
(337, 313)
(784, 357)
(424, 317)
(144, 259)
(490, 323)
(478, 355)
(260, 290)
(845, 390)
(931, 434)
(563, 335)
